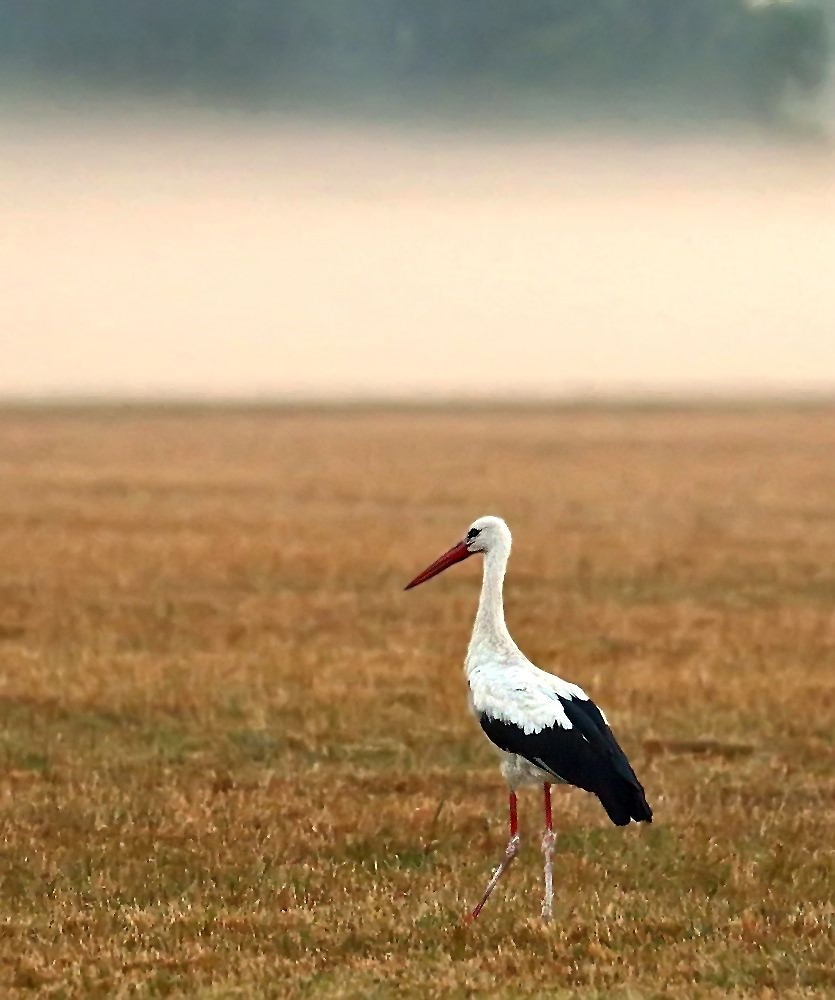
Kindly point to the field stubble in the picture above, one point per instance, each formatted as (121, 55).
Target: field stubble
(237, 759)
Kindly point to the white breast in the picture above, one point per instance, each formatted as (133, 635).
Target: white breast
(512, 689)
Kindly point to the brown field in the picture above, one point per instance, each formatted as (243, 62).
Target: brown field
(237, 758)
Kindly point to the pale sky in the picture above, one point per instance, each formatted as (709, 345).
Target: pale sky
(269, 259)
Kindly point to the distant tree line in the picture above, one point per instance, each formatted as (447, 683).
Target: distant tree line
(719, 53)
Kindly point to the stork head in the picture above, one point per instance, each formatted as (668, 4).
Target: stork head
(486, 534)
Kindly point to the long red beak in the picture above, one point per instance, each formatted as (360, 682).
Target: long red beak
(456, 554)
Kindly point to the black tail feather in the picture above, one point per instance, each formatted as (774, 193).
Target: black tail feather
(624, 802)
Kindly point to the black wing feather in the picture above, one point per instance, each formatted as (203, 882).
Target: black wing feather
(586, 755)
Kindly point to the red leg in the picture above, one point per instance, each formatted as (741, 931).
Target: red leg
(548, 839)
(510, 853)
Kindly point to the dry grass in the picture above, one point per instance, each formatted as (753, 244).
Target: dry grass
(237, 760)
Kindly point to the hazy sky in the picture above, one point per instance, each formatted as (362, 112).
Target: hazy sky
(265, 258)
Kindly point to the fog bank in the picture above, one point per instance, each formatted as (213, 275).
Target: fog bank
(277, 259)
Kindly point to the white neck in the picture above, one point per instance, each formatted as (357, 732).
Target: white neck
(490, 628)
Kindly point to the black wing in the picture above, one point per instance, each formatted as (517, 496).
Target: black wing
(586, 755)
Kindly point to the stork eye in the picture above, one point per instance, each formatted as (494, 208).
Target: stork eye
(473, 532)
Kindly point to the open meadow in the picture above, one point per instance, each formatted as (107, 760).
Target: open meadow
(237, 760)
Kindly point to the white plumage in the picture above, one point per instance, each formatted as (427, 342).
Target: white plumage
(523, 695)
(544, 728)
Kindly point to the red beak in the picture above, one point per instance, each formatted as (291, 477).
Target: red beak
(456, 554)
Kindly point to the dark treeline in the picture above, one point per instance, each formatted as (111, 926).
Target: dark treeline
(720, 54)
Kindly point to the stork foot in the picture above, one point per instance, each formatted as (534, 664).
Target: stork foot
(548, 840)
(510, 853)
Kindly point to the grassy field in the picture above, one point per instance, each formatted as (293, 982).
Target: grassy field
(236, 759)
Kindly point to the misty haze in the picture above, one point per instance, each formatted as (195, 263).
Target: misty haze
(377, 199)
(271, 258)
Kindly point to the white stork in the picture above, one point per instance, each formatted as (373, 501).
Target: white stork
(545, 729)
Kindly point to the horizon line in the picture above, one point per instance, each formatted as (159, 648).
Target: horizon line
(660, 398)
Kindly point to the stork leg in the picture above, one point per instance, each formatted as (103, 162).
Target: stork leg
(548, 839)
(510, 853)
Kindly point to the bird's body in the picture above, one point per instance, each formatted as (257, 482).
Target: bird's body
(546, 730)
